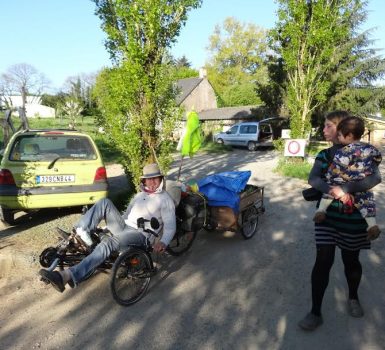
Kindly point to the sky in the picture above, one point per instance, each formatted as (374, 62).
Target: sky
(63, 38)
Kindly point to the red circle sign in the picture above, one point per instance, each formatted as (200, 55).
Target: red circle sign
(293, 147)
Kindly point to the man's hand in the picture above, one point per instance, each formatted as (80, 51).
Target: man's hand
(159, 247)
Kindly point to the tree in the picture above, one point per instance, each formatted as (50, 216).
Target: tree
(182, 68)
(354, 83)
(22, 79)
(72, 108)
(137, 95)
(182, 62)
(237, 61)
(80, 88)
(321, 63)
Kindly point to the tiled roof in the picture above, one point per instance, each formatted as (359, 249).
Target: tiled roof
(226, 113)
(186, 86)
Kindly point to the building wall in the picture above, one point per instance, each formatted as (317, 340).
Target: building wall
(201, 98)
(33, 106)
(376, 137)
(34, 110)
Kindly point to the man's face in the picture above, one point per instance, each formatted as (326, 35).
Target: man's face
(153, 183)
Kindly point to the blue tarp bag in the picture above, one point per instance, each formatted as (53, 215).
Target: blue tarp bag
(222, 189)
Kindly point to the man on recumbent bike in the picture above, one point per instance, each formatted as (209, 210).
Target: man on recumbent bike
(152, 201)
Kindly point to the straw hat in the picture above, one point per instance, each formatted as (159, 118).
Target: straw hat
(151, 170)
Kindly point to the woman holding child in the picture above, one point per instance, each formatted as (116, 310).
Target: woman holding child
(346, 230)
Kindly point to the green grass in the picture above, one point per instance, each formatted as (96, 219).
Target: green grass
(315, 146)
(293, 167)
(213, 147)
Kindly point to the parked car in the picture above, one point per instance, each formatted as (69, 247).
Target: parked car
(253, 134)
(50, 169)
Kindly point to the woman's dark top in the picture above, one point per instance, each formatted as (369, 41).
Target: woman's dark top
(335, 216)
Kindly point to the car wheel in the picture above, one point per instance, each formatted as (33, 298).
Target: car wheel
(220, 141)
(251, 146)
(7, 215)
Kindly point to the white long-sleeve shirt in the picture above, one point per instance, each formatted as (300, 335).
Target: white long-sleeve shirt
(148, 205)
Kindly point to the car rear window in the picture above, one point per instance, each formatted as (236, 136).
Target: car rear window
(48, 147)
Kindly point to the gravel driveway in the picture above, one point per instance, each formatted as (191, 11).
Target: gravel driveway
(226, 293)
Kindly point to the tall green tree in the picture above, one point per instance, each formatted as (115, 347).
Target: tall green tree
(354, 81)
(182, 68)
(307, 37)
(137, 95)
(236, 63)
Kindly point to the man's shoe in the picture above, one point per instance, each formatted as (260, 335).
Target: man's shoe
(355, 308)
(84, 236)
(310, 322)
(54, 278)
(319, 217)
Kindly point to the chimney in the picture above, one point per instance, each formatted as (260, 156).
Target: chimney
(202, 73)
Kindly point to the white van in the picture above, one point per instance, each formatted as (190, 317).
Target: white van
(253, 134)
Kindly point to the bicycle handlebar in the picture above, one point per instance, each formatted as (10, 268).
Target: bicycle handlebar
(153, 222)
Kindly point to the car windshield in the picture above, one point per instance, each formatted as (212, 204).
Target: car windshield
(47, 147)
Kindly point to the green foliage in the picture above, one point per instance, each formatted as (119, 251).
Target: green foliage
(185, 72)
(279, 145)
(137, 96)
(322, 62)
(209, 146)
(293, 167)
(236, 63)
(53, 101)
(309, 34)
(72, 109)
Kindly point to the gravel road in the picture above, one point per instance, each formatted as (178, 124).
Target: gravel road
(226, 293)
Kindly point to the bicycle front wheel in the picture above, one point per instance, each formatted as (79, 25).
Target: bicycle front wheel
(181, 242)
(131, 276)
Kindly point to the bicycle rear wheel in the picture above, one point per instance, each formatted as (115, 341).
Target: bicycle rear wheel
(181, 242)
(131, 276)
(249, 222)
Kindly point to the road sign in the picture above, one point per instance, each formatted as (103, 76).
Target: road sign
(295, 148)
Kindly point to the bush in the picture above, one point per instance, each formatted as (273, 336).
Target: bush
(279, 145)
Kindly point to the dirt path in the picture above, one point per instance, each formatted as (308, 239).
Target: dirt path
(226, 293)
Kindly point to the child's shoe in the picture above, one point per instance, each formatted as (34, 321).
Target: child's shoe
(373, 232)
(319, 217)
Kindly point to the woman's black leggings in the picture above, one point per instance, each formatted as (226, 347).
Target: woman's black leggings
(320, 274)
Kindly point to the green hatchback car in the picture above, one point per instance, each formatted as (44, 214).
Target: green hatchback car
(50, 169)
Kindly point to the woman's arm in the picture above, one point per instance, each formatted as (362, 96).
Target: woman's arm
(316, 178)
(365, 184)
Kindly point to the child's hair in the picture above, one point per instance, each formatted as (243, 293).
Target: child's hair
(336, 116)
(352, 125)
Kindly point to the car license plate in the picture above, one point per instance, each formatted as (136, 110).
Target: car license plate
(44, 179)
